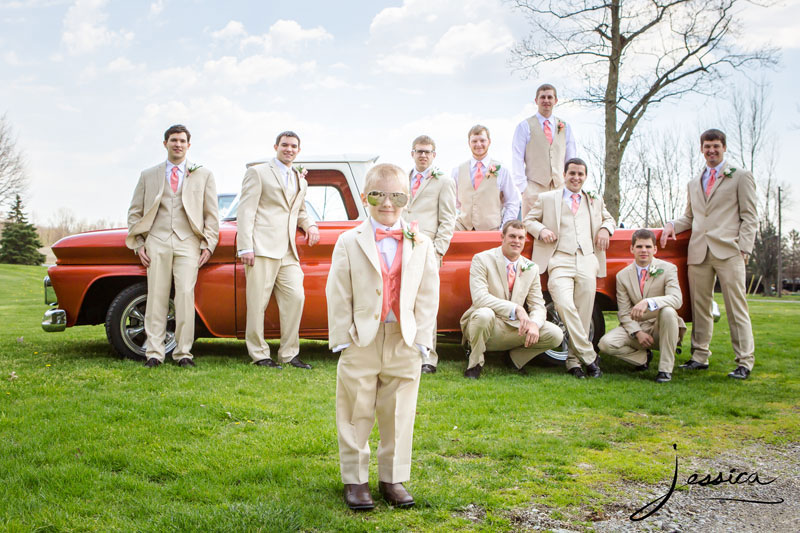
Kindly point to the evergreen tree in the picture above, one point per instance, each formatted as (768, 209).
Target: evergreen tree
(19, 243)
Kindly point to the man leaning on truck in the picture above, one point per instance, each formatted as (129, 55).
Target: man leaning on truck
(173, 227)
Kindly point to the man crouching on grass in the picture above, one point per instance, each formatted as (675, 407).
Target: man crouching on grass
(383, 296)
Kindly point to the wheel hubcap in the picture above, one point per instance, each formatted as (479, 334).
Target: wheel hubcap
(132, 326)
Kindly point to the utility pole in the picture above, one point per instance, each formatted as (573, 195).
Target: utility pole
(780, 248)
(647, 205)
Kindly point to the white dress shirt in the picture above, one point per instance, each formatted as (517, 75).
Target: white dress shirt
(181, 172)
(288, 176)
(512, 199)
(522, 136)
(707, 174)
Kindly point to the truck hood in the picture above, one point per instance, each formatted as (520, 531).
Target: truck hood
(94, 248)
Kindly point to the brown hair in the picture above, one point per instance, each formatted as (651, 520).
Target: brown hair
(643, 234)
(177, 128)
(546, 87)
(423, 139)
(287, 134)
(713, 135)
(576, 161)
(516, 224)
(477, 129)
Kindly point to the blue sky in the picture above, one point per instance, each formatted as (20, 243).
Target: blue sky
(90, 85)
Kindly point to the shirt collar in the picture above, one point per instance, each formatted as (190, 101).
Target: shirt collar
(425, 173)
(509, 261)
(181, 166)
(718, 168)
(542, 120)
(376, 225)
(568, 194)
(486, 161)
(283, 168)
(639, 269)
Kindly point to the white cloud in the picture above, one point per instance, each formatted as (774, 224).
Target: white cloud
(250, 70)
(234, 28)
(85, 29)
(282, 35)
(12, 59)
(333, 82)
(156, 7)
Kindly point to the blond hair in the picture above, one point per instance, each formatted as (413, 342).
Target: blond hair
(385, 171)
(477, 129)
(423, 139)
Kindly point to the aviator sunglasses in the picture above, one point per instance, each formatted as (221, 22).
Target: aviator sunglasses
(398, 199)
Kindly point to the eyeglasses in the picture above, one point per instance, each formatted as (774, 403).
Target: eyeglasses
(424, 152)
(398, 199)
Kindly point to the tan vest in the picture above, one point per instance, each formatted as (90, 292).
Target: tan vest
(171, 216)
(481, 210)
(576, 230)
(544, 162)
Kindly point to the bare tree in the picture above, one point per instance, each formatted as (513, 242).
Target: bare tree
(13, 180)
(634, 54)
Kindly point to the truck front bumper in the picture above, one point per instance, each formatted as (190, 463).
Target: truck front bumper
(54, 320)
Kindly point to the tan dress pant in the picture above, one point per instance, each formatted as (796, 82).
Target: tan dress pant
(702, 277)
(486, 332)
(664, 330)
(286, 277)
(572, 284)
(381, 380)
(171, 260)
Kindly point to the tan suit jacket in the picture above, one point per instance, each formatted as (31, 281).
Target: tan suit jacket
(355, 285)
(488, 285)
(663, 289)
(267, 217)
(546, 213)
(434, 208)
(199, 196)
(724, 223)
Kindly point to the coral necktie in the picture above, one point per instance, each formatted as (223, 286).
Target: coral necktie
(417, 183)
(478, 175)
(173, 179)
(575, 203)
(548, 132)
(512, 275)
(642, 279)
(712, 178)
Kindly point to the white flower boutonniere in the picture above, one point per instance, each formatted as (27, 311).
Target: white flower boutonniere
(527, 266)
(493, 170)
(436, 173)
(193, 168)
(652, 271)
(412, 233)
(592, 196)
(301, 171)
(728, 173)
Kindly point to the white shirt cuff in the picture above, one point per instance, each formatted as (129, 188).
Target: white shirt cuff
(652, 304)
(340, 347)
(423, 350)
(240, 253)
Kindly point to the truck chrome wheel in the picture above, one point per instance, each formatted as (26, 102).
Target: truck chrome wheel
(597, 329)
(125, 323)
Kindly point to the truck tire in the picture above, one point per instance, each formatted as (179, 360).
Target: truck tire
(125, 323)
(597, 328)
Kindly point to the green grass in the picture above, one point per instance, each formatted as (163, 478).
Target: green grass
(94, 443)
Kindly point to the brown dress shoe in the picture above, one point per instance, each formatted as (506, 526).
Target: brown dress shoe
(358, 498)
(186, 361)
(396, 494)
(268, 362)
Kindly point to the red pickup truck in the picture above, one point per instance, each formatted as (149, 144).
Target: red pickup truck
(97, 280)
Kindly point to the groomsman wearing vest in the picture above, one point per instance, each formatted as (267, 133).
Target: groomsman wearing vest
(383, 296)
(648, 299)
(573, 229)
(485, 193)
(271, 208)
(507, 311)
(541, 145)
(721, 212)
(173, 227)
(433, 206)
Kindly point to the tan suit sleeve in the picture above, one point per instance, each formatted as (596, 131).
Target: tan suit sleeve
(210, 215)
(672, 289)
(533, 220)
(339, 294)
(479, 288)
(624, 306)
(303, 220)
(248, 205)
(535, 301)
(426, 305)
(684, 222)
(135, 213)
(447, 216)
(748, 215)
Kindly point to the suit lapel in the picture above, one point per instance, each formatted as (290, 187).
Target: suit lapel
(366, 239)
(279, 178)
(500, 264)
(633, 276)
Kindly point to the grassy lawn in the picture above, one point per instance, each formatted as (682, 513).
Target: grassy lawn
(94, 443)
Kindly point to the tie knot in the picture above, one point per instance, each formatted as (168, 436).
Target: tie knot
(175, 170)
(510, 268)
(419, 175)
(712, 173)
(479, 165)
(576, 196)
(381, 234)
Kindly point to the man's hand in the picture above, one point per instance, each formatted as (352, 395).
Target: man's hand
(644, 339)
(143, 257)
(248, 258)
(667, 233)
(524, 319)
(532, 335)
(601, 241)
(312, 235)
(205, 255)
(638, 310)
(547, 236)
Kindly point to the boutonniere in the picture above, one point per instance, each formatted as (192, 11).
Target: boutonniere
(592, 196)
(193, 168)
(412, 233)
(652, 271)
(493, 170)
(728, 173)
(527, 266)
(436, 173)
(301, 170)
(560, 126)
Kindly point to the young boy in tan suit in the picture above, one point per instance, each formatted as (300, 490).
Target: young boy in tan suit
(383, 296)
(648, 299)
